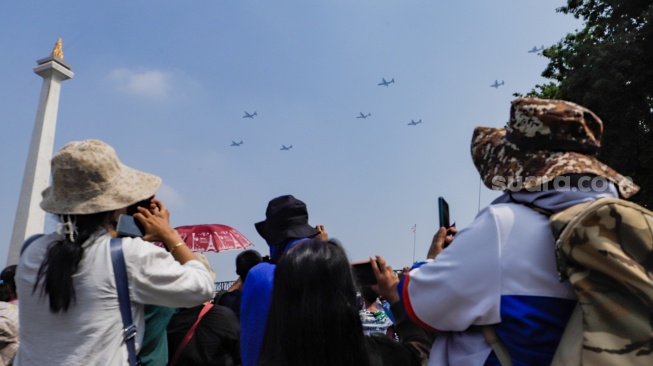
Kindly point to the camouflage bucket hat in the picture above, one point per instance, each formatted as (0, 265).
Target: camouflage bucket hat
(543, 139)
(88, 178)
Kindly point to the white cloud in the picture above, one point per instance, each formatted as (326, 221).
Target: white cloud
(169, 196)
(211, 159)
(148, 83)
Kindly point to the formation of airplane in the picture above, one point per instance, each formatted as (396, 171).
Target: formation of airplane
(386, 83)
(535, 49)
(496, 84)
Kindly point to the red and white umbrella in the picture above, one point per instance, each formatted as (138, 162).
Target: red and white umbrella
(213, 238)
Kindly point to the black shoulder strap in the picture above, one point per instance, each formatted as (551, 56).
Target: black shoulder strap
(120, 273)
(29, 241)
(533, 207)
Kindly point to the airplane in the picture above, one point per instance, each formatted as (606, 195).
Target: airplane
(247, 115)
(413, 123)
(535, 49)
(364, 116)
(284, 147)
(386, 83)
(496, 84)
(234, 143)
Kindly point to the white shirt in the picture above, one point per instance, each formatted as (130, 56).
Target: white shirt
(507, 251)
(90, 332)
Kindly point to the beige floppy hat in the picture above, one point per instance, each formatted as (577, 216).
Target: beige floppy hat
(88, 178)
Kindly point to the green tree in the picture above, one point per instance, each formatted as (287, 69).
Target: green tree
(607, 66)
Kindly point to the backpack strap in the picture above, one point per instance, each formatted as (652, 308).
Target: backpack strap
(560, 220)
(29, 241)
(120, 273)
(497, 345)
(190, 334)
(561, 226)
(568, 352)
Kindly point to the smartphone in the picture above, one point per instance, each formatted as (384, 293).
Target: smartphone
(127, 226)
(443, 207)
(364, 273)
(132, 209)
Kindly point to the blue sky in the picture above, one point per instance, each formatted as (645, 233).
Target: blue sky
(167, 83)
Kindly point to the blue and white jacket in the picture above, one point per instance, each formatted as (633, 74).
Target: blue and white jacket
(500, 269)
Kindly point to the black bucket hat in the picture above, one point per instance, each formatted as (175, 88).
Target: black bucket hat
(285, 218)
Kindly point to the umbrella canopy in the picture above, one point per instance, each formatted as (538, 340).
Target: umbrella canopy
(212, 238)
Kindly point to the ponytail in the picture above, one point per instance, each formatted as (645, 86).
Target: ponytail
(62, 259)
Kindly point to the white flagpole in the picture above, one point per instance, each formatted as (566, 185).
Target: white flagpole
(414, 240)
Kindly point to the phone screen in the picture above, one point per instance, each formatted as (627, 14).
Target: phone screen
(364, 273)
(443, 207)
(127, 226)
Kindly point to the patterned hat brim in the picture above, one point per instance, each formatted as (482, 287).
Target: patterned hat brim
(503, 165)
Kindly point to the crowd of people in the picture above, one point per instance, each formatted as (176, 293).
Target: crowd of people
(303, 305)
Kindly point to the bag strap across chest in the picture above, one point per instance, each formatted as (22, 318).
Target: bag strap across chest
(120, 274)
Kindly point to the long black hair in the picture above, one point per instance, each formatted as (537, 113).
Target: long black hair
(62, 260)
(313, 317)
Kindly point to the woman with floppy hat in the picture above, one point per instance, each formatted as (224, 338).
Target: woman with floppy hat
(501, 268)
(69, 304)
(285, 225)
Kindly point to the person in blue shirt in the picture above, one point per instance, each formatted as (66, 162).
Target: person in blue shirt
(285, 224)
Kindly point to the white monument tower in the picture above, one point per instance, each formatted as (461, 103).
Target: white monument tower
(30, 218)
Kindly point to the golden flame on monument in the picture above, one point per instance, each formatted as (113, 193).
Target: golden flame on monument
(57, 51)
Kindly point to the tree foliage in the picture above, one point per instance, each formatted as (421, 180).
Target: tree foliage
(607, 66)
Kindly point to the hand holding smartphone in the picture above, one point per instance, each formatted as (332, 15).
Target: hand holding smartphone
(129, 226)
(443, 208)
(364, 273)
